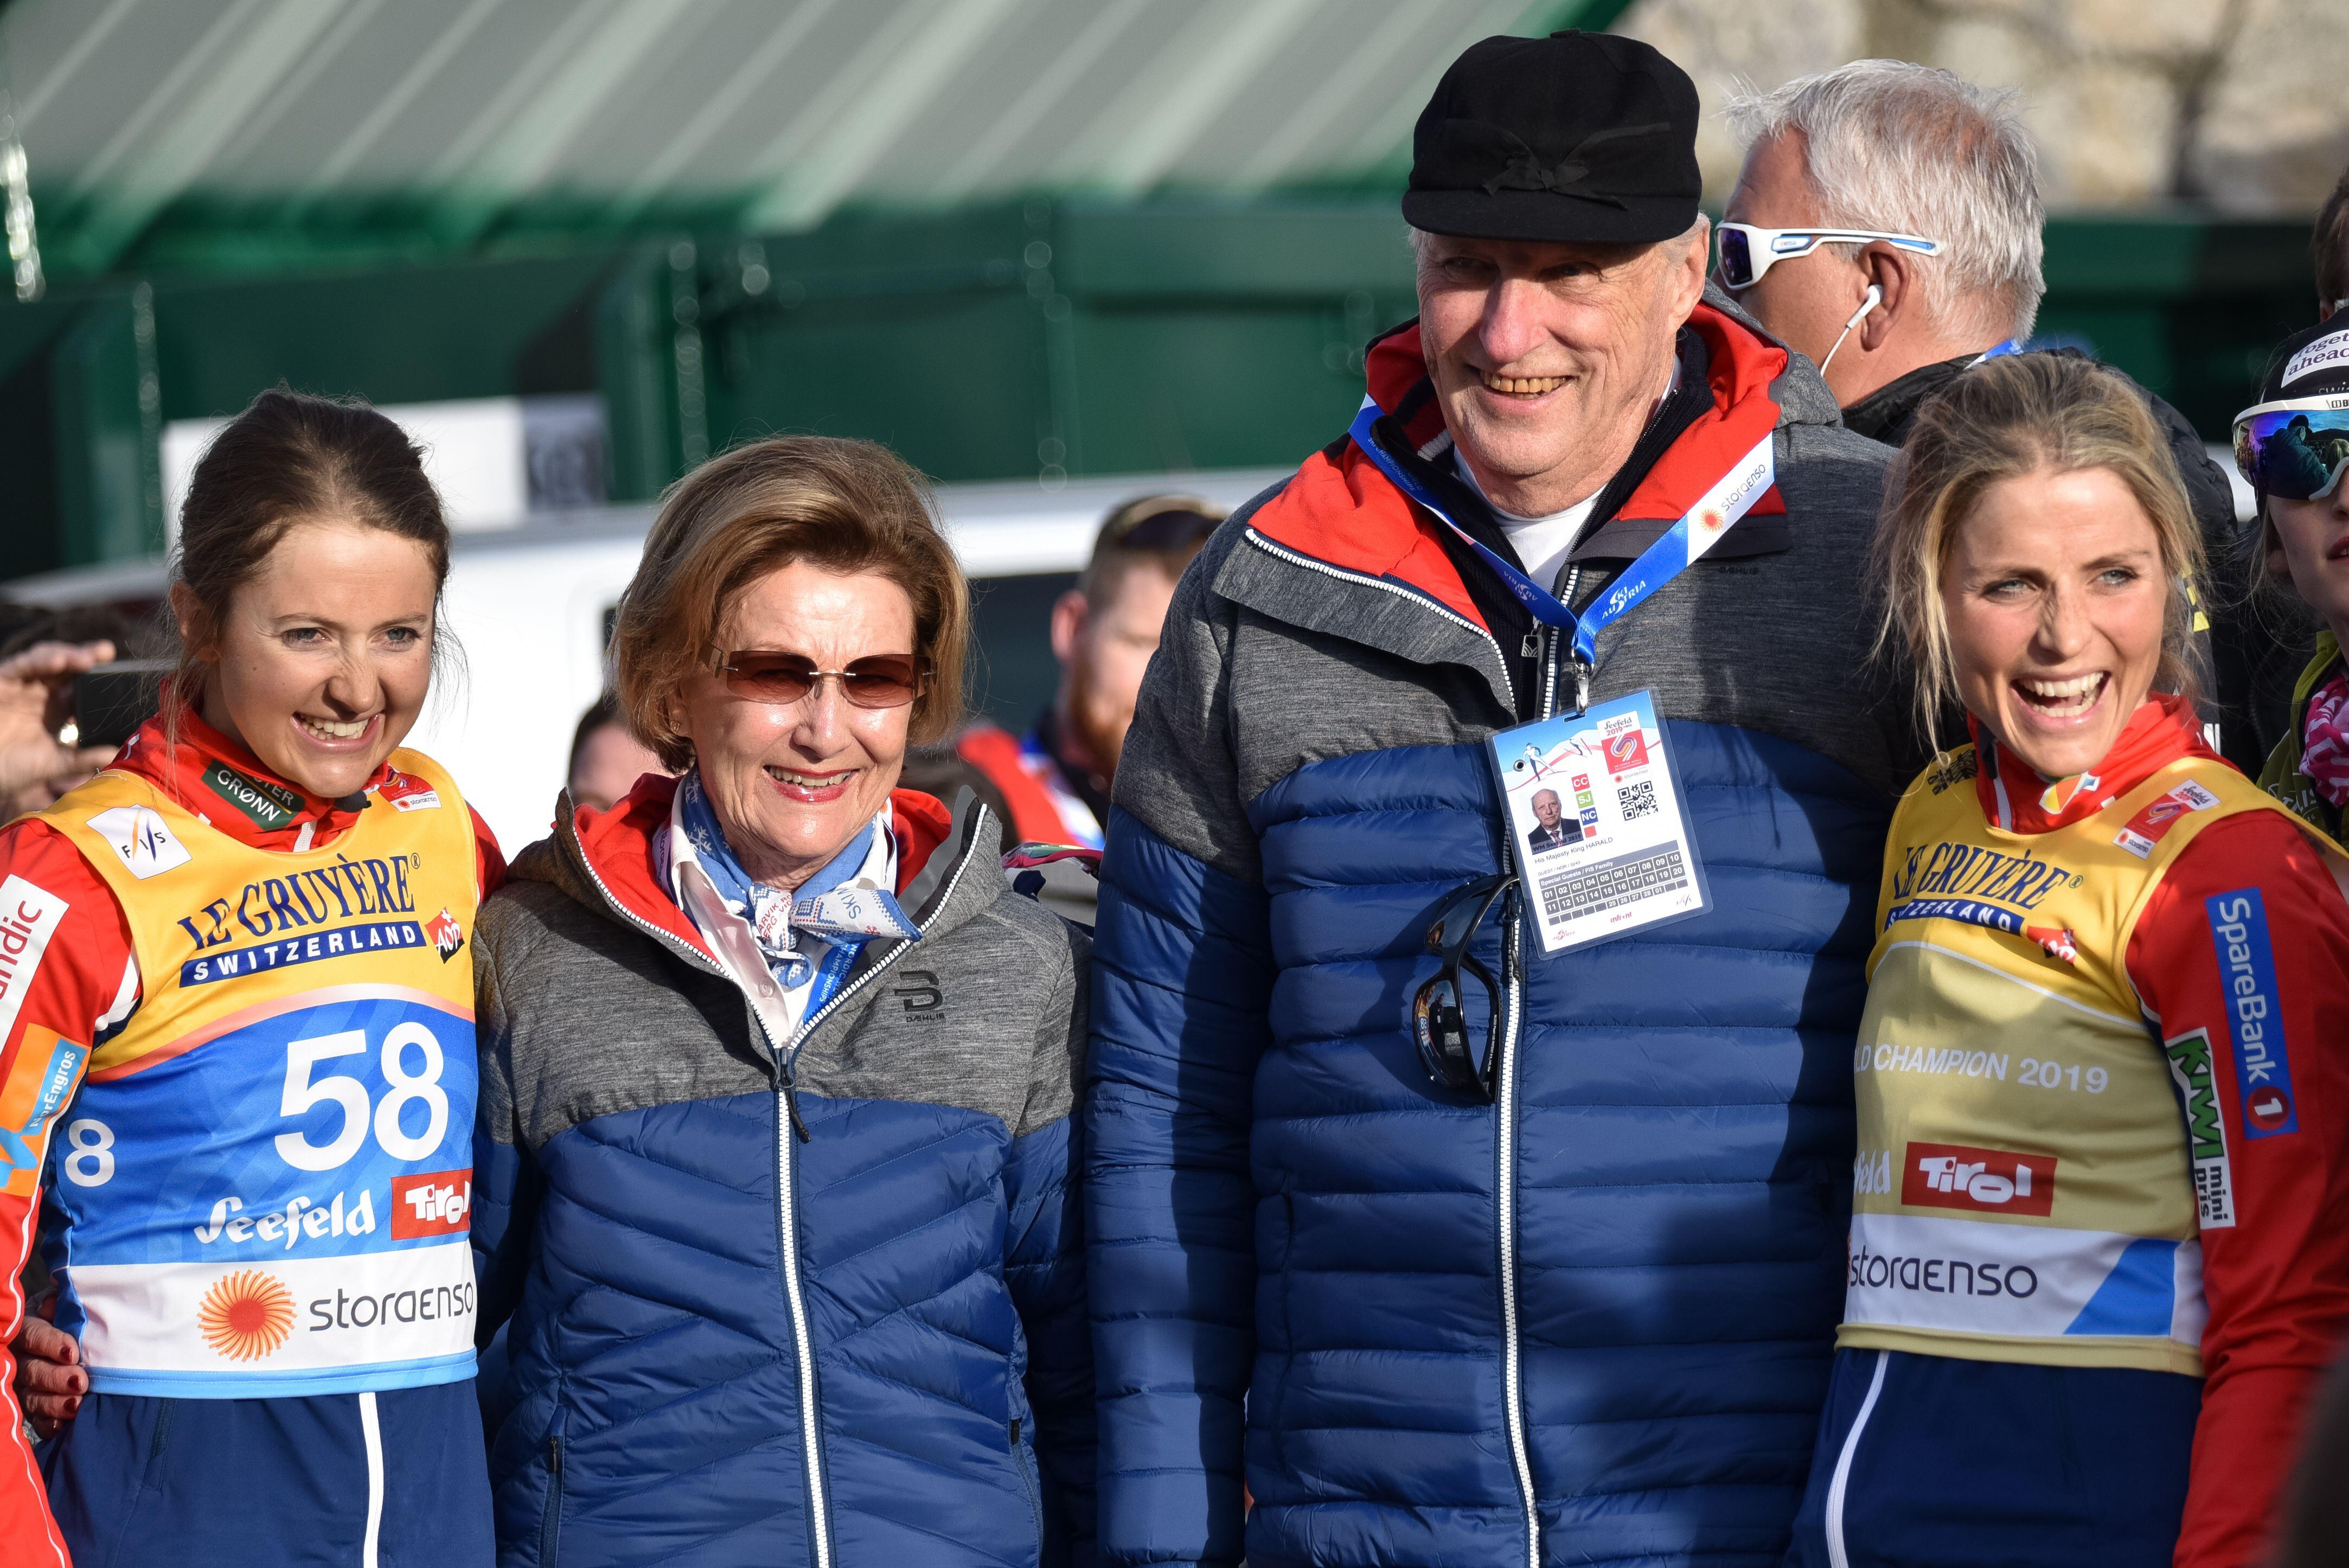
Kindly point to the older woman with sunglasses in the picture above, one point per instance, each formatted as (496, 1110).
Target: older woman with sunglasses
(774, 1193)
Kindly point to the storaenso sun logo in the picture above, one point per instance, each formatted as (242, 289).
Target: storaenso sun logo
(246, 1315)
(2206, 1129)
(305, 916)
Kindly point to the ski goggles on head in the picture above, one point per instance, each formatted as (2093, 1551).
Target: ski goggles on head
(1747, 250)
(2296, 449)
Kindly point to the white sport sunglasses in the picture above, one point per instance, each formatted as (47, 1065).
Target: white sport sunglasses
(1747, 250)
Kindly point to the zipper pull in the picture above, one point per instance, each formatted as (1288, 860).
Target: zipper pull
(554, 1457)
(1015, 1431)
(792, 1104)
(1581, 685)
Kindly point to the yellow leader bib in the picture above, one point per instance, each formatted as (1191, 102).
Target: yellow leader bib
(2026, 1189)
(265, 1176)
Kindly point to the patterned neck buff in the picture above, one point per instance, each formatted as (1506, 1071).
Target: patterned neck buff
(842, 906)
(2325, 740)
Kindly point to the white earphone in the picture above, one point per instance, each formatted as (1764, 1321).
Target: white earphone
(1875, 297)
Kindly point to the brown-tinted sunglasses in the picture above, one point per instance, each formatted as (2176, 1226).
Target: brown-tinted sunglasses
(883, 680)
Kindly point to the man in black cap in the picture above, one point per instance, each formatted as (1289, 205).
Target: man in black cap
(1463, 1207)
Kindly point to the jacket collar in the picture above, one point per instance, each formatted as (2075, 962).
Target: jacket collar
(1340, 510)
(610, 859)
(2015, 797)
(222, 782)
(1884, 415)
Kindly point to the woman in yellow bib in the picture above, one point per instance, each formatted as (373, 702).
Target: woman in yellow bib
(236, 1051)
(2100, 1233)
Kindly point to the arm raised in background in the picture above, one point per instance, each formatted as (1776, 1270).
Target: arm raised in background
(1182, 980)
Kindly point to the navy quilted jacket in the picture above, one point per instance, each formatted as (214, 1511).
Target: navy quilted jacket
(1590, 1323)
(729, 1343)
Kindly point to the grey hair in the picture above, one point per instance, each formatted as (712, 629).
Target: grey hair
(1914, 149)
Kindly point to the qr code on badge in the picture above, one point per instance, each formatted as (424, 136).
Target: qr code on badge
(1637, 800)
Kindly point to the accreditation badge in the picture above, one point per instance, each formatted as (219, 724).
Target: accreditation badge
(1594, 811)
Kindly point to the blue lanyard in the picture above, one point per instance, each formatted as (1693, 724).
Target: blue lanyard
(2001, 352)
(824, 984)
(1728, 500)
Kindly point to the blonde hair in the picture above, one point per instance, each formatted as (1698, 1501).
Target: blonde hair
(2007, 417)
(845, 506)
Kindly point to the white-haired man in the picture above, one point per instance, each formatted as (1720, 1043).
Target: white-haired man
(1448, 1241)
(1887, 224)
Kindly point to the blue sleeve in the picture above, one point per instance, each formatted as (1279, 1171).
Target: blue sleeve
(1182, 980)
(504, 1219)
(1046, 1273)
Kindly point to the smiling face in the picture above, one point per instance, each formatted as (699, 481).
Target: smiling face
(793, 783)
(2312, 546)
(1548, 359)
(2056, 596)
(321, 663)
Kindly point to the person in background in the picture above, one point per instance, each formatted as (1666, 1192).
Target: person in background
(35, 766)
(1887, 223)
(1057, 777)
(2292, 448)
(1567, 1294)
(36, 690)
(606, 760)
(2313, 1529)
(2099, 1253)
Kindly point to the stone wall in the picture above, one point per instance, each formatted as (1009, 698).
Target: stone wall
(2240, 106)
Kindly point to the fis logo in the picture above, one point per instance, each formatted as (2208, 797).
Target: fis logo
(2154, 819)
(1627, 751)
(408, 793)
(139, 837)
(446, 934)
(433, 1205)
(1986, 1181)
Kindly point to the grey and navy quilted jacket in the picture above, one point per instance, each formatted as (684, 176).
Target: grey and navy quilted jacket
(1590, 1323)
(815, 1300)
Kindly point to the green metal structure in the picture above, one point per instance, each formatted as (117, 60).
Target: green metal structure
(733, 216)
(1039, 338)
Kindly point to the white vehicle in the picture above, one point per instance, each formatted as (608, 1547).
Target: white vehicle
(531, 607)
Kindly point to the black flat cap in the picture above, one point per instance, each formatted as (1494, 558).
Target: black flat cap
(1578, 137)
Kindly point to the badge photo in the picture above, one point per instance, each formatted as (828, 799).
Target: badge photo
(1598, 862)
